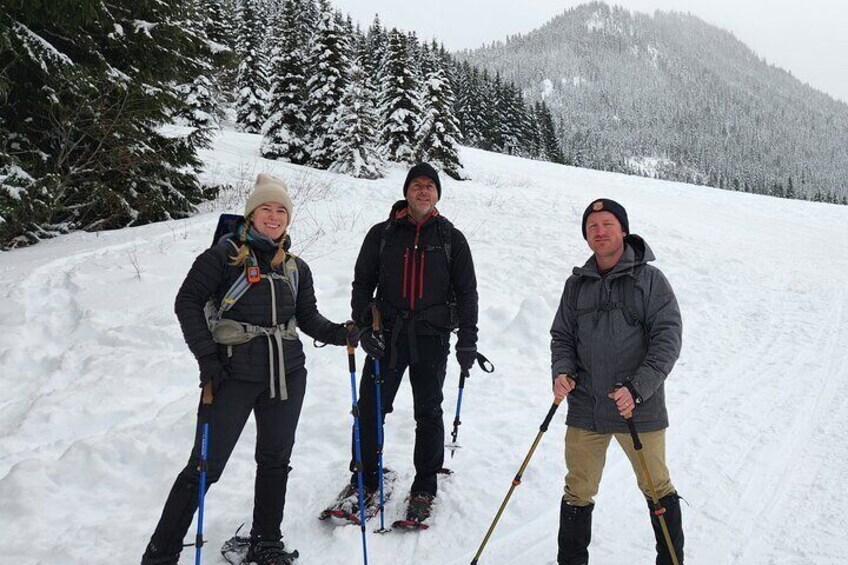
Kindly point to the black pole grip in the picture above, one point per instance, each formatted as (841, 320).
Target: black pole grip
(351, 359)
(549, 417)
(637, 443)
(462, 376)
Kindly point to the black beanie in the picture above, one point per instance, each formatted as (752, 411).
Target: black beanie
(607, 205)
(423, 170)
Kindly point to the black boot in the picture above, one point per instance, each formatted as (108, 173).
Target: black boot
(575, 533)
(154, 556)
(674, 522)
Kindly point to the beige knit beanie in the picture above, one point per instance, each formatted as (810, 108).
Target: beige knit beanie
(268, 188)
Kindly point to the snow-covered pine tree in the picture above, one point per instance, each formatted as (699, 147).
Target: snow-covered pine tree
(376, 39)
(201, 105)
(220, 34)
(469, 104)
(328, 63)
(355, 130)
(439, 128)
(491, 118)
(252, 80)
(89, 89)
(285, 131)
(400, 110)
(549, 145)
(513, 123)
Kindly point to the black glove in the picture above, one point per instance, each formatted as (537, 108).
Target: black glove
(466, 356)
(211, 371)
(348, 334)
(373, 343)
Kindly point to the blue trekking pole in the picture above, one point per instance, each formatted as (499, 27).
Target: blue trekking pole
(453, 446)
(205, 408)
(377, 327)
(487, 367)
(351, 360)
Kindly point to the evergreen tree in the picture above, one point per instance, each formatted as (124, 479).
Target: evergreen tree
(220, 33)
(329, 60)
(469, 105)
(202, 109)
(355, 130)
(549, 147)
(377, 42)
(252, 80)
(88, 89)
(286, 128)
(400, 109)
(439, 127)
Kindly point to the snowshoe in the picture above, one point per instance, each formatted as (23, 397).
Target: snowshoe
(235, 550)
(346, 505)
(418, 509)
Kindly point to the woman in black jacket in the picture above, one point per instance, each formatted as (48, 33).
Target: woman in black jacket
(250, 356)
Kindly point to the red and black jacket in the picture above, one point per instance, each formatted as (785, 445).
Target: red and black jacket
(406, 263)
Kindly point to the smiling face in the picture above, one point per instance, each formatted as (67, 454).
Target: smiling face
(271, 219)
(605, 238)
(421, 195)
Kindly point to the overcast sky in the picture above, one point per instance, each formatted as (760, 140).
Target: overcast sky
(807, 37)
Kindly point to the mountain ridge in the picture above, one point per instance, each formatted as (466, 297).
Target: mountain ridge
(630, 89)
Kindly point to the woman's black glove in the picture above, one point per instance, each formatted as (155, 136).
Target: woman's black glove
(347, 334)
(211, 371)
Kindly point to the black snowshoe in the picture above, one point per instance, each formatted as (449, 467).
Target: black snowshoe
(418, 509)
(238, 551)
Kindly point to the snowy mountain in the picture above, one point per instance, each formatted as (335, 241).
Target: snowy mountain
(99, 390)
(671, 96)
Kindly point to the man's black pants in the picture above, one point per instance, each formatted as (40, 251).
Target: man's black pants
(427, 376)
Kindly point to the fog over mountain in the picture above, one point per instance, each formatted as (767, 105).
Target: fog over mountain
(671, 96)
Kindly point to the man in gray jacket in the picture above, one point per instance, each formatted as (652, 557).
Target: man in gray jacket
(615, 338)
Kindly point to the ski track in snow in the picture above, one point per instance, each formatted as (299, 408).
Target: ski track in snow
(99, 395)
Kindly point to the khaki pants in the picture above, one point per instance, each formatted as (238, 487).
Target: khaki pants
(586, 454)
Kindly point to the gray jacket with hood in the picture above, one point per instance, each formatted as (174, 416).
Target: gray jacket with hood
(595, 344)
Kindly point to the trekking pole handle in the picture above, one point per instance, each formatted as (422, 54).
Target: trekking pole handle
(376, 319)
(637, 443)
(547, 421)
(207, 396)
(351, 358)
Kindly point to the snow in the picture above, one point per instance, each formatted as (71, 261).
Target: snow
(547, 88)
(99, 390)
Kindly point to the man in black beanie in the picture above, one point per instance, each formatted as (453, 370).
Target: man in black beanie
(615, 338)
(416, 268)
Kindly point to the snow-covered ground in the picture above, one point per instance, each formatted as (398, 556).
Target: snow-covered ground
(98, 391)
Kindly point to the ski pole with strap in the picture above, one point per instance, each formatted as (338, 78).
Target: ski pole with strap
(377, 327)
(517, 480)
(351, 360)
(203, 414)
(487, 367)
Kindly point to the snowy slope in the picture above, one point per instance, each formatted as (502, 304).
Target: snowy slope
(99, 391)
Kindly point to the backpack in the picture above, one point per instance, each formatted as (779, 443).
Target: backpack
(226, 226)
(444, 228)
(628, 295)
